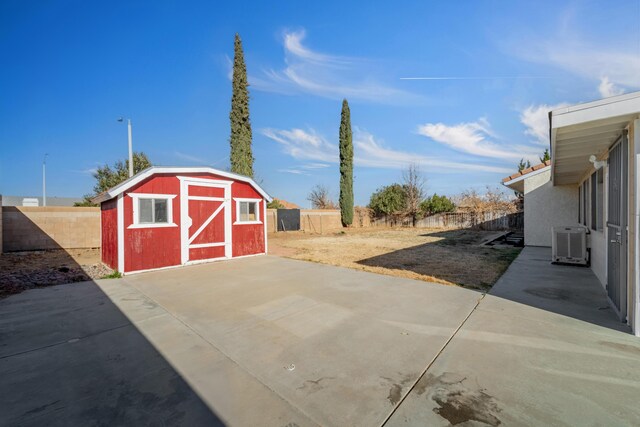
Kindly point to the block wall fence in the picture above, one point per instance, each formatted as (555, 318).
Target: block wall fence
(37, 228)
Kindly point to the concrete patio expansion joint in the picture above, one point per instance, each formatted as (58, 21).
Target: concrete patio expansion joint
(69, 341)
(186, 325)
(422, 374)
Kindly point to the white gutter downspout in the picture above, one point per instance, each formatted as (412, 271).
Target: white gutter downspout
(635, 309)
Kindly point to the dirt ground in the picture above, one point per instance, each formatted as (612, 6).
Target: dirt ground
(452, 257)
(25, 270)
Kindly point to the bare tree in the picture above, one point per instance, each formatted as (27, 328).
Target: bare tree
(414, 186)
(493, 200)
(320, 198)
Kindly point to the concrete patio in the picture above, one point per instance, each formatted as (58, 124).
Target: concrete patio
(272, 341)
(542, 348)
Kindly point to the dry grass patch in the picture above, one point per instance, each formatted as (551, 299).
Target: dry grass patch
(452, 257)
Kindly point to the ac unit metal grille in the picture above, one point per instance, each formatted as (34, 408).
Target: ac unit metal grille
(562, 244)
(569, 245)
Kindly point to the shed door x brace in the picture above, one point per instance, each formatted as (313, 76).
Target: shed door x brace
(205, 211)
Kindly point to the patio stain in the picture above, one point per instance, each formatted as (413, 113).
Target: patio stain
(395, 392)
(314, 385)
(456, 403)
(551, 293)
(40, 408)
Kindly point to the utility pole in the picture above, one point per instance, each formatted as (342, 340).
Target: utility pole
(130, 149)
(44, 180)
(130, 146)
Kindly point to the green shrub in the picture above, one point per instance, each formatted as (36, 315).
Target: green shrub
(388, 200)
(436, 204)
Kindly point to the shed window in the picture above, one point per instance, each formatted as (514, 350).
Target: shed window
(248, 211)
(152, 210)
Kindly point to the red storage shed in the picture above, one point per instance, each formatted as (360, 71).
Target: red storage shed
(171, 216)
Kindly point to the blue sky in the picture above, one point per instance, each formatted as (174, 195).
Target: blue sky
(71, 68)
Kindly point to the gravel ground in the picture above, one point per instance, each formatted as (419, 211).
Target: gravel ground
(20, 271)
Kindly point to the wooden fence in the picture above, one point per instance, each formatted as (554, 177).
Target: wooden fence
(321, 221)
(490, 221)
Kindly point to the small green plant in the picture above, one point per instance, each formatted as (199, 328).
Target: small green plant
(114, 275)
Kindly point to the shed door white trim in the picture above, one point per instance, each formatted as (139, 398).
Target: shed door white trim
(186, 241)
(120, 225)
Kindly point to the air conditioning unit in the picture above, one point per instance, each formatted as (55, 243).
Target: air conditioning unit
(569, 245)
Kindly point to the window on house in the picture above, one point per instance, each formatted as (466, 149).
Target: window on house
(597, 182)
(248, 211)
(594, 201)
(585, 199)
(152, 211)
(580, 204)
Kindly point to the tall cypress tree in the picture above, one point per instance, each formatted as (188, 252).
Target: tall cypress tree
(346, 166)
(240, 140)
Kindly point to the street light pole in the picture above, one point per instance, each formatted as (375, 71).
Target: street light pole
(44, 180)
(130, 149)
(121, 119)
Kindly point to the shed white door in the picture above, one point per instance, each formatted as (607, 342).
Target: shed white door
(205, 216)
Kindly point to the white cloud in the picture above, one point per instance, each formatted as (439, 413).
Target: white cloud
(293, 171)
(575, 49)
(229, 66)
(368, 152)
(593, 61)
(473, 138)
(303, 145)
(536, 120)
(328, 76)
(315, 166)
(607, 88)
(88, 171)
(189, 158)
(293, 45)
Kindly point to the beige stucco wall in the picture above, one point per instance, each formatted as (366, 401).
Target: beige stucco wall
(598, 245)
(37, 228)
(546, 206)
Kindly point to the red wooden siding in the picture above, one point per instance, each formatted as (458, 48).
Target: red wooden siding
(147, 248)
(248, 239)
(206, 191)
(109, 225)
